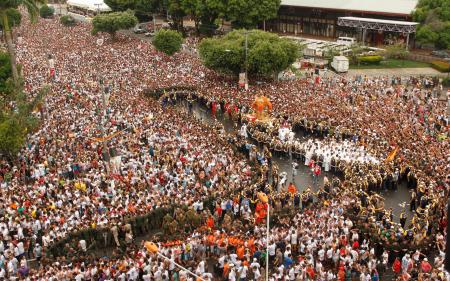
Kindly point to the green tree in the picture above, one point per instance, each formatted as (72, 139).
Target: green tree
(46, 11)
(121, 5)
(16, 117)
(14, 18)
(223, 56)
(67, 20)
(425, 35)
(248, 13)
(168, 41)
(16, 122)
(397, 51)
(434, 19)
(268, 54)
(5, 17)
(113, 22)
(204, 13)
(143, 9)
(5, 74)
(443, 40)
(12, 137)
(177, 13)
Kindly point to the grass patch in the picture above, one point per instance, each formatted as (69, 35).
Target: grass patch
(392, 63)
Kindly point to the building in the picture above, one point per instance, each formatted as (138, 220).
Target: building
(86, 9)
(319, 18)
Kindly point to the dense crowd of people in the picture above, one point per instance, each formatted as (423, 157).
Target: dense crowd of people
(105, 152)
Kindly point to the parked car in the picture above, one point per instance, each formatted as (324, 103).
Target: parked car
(138, 29)
(347, 41)
(441, 54)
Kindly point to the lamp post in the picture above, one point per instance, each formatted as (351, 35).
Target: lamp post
(102, 113)
(246, 59)
(153, 248)
(98, 8)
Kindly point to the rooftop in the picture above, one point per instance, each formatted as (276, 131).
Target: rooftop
(404, 7)
(93, 5)
(395, 22)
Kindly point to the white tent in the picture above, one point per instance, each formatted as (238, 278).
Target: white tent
(91, 5)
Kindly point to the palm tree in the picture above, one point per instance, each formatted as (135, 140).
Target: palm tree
(33, 12)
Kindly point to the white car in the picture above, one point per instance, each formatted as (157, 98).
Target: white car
(348, 41)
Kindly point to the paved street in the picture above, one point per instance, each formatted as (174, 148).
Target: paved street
(428, 71)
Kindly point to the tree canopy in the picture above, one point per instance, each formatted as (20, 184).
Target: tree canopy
(205, 13)
(14, 17)
(248, 13)
(16, 111)
(113, 22)
(46, 11)
(434, 18)
(8, 19)
(268, 54)
(5, 73)
(121, 5)
(168, 41)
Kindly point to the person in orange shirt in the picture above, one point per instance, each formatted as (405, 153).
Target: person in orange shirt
(226, 270)
(292, 189)
(251, 245)
(210, 222)
(240, 252)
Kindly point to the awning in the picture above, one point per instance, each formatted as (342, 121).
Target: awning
(378, 24)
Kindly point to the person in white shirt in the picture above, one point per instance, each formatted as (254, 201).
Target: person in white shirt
(291, 273)
(233, 258)
(232, 274)
(83, 245)
(243, 273)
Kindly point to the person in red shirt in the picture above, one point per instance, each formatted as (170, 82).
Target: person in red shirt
(397, 266)
(316, 173)
(425, 266)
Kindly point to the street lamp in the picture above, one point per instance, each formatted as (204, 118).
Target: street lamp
(98, 8)
(153, 248)
(246, 58)
(102, 113)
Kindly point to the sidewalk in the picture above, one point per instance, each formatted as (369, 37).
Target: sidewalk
(427, 71)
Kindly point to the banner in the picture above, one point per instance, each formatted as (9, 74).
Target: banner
(242, 79)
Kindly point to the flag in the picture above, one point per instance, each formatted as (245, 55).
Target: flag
(392, 155)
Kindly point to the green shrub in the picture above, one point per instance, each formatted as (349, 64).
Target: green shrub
(446, 82)
(67, 20)
(441, 66)
(168, 41)
(46, 11)
(397, 51)
(370, 59)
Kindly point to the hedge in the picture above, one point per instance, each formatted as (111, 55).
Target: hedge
(370, 59)
(441, 66)
(67, 20)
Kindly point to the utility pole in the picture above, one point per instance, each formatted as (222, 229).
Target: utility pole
(98, 8)
(101, 114)
(246, 59)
